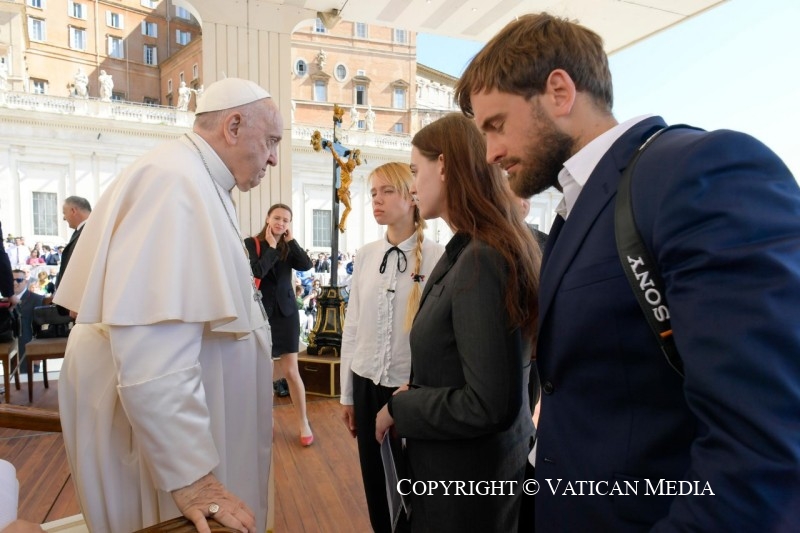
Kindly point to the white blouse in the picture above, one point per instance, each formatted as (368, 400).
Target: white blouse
(374, 342)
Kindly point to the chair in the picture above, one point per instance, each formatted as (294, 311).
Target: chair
(37, 419)
(9, 356)
(42, 350)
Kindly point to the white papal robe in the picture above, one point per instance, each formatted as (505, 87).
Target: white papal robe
(167, 374)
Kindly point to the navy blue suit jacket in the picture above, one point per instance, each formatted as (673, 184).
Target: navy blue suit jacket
(721, 215)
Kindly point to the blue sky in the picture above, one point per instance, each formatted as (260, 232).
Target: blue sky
(735, 66)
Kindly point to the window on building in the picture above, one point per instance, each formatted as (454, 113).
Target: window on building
(361, 95)
(320, 91)
(77, 38)
(115, 47)
(195, 71)
(182, 37)
(361, 30)
(321, 224)
(45, 213)
(118, 96)
(362, 124)
(36, 29)
(181, 77)
(150, 100)
(39, 4)
(399, 98)
(340, 72)
(114, 19)
(39, 86)
(182, 13)
(400, 36)
(76, 10)
(319, 27)
(169, 86)
(152, 4)
(301, 67)
(149, 28)
(398, 127)
(150, 55)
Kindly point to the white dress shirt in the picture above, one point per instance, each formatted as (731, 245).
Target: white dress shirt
(579, 167)
(374, 342)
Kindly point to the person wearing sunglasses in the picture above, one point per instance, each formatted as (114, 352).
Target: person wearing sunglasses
(25, 301)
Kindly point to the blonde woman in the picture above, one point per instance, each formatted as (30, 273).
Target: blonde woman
(388, 278)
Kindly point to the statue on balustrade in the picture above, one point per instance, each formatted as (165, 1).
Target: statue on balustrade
(370, 118)
(106, 86)
(184, 96)
(81, 84)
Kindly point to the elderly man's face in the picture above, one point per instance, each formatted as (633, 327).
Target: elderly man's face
(257, 147)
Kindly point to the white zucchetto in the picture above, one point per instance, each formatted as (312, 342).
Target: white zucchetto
(229, 93)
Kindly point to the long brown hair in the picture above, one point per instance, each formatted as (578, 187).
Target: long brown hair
(281, 246)
(399, 175)
(480, 204)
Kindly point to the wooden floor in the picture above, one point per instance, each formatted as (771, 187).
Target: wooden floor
(317, 489)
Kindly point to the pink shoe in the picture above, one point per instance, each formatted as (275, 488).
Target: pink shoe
(306, 441)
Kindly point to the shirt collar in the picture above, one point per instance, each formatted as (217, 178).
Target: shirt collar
(578, 168)
(407, 245)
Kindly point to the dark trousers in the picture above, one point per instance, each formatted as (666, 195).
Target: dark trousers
(368, 399)
(528, 508)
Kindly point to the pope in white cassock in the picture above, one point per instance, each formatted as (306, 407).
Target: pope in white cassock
(166, 389)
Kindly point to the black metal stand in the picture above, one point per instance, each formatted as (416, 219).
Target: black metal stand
(326, 335)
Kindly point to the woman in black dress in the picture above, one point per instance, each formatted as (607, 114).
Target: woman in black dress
(273, 254)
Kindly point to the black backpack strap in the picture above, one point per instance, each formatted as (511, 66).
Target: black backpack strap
(639, 266)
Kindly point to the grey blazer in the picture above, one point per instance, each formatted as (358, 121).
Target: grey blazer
(467, 416)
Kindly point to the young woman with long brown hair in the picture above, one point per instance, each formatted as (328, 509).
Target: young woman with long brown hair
(465, 414)
(273, 254)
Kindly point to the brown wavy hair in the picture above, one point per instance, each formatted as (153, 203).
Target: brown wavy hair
(520, 58)
(479, 203)
(281, 246)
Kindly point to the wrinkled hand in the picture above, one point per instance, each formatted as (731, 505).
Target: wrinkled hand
(22, 526)
(193, 501)
(349, 418)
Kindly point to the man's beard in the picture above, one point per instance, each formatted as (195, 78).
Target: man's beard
(544, 158)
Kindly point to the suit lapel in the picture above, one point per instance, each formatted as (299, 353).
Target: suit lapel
(600, 188)
(446, 262)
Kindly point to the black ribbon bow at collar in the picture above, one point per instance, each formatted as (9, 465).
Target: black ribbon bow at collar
(402, 262)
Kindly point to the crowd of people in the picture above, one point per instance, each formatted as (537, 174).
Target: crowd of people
(448, 351)
(40, 263)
